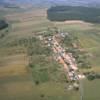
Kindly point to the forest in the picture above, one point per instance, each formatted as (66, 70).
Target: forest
(62, 13)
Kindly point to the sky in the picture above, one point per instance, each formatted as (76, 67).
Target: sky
(56, 2)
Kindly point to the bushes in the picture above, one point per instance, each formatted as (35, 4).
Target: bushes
(31, 65)
(69, 40)
(40, 76)
(3, 24)
(92, 75)
(81, 57)
(22, 42)
(83, 61)
(97, 76)
(38, 49)
(50, 31)
(38, 54)
(37, 82)
(27, 41)
(42, 95)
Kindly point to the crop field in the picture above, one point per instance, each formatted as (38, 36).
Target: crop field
(16, 79)
(13, 65)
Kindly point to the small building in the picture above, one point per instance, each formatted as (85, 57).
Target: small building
(49, 44)
(81, 76)
(76, 86)
(40, 37)
(70, 87)
(49, 39)
(64, 34)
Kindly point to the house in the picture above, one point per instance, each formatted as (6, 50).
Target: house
(64, 34)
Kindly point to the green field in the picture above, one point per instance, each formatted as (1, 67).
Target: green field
(91, 90)
(16, 78)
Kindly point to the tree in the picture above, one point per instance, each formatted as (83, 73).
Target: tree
(37, 82)
(91, 77)
(3, 24)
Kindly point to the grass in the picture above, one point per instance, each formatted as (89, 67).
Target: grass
(17, 90)
(91, 90)
(54, 91)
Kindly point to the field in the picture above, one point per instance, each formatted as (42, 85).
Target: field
(91, 90)
(16, 80)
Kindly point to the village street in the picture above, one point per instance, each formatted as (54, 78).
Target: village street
(67, 60)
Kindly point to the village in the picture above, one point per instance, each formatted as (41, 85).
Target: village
(66, 59)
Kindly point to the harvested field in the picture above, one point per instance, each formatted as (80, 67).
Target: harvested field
(13, 65)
